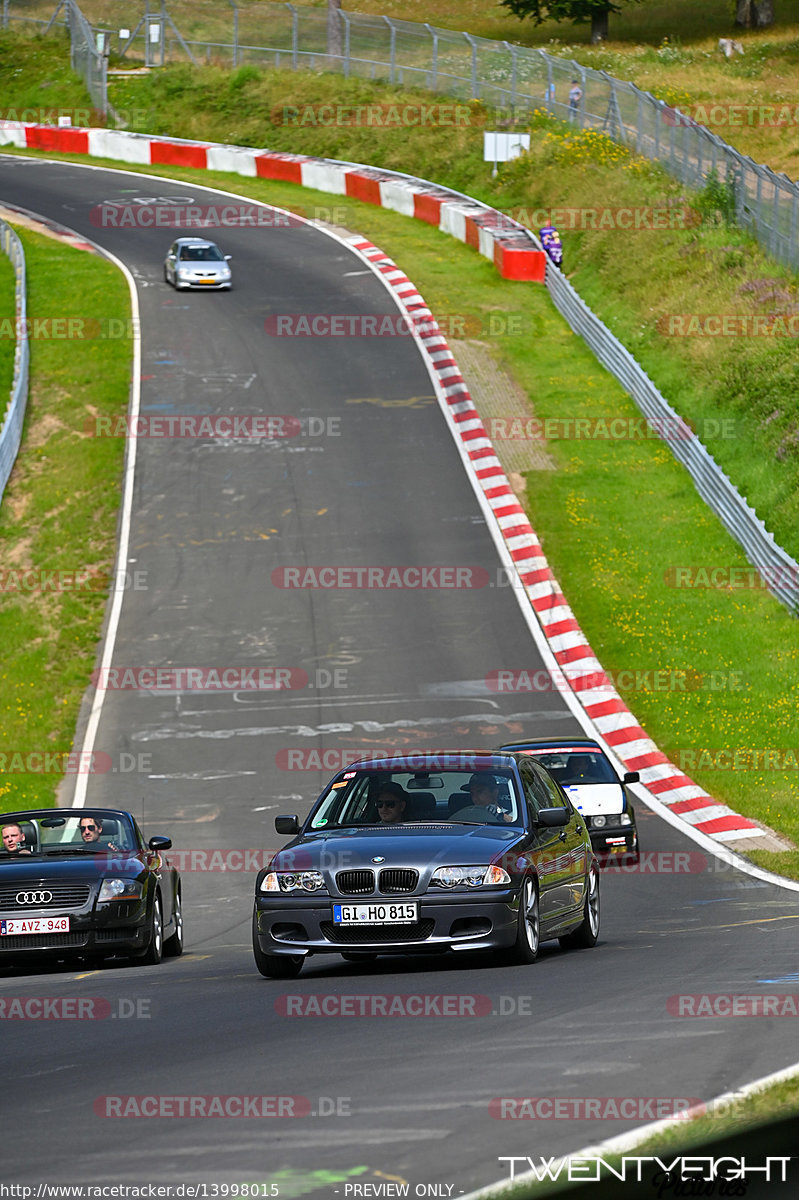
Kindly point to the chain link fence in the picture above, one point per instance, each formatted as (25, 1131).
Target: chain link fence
(14, 416)
(406, 53)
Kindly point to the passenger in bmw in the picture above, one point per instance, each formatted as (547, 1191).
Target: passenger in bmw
(14, 840)
(391, 803)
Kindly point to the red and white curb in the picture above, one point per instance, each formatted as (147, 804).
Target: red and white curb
(577, 662)
(516, 254)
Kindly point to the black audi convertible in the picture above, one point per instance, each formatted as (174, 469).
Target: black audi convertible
(82, 883)
(447, 851)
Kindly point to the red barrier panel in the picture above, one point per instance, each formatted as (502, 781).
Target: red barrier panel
(427, 208)
(49, 137)
(514, 262)
(472, 233)
(361, 187)
(277, 166)
(178, 156)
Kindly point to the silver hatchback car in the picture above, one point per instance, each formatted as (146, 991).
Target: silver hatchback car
(193, 262)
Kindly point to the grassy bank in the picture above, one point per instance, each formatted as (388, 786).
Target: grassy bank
(58, 517)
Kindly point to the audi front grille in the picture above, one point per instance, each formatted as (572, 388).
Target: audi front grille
(28, 897)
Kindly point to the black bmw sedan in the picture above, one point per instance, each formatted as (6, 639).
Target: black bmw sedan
(83, 883)
(447, 851)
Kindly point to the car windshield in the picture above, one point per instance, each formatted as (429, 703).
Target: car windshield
(577, 765)
(383, 798)
(200, 254)
(87, 832)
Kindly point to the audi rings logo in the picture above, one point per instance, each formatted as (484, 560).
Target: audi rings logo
(34, 897)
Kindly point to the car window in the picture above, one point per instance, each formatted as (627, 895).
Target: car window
(555, 798)
(534, 791)
(445, 797)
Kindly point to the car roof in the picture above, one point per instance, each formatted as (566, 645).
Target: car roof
(435, 760)
(562, 743)
(195, 241)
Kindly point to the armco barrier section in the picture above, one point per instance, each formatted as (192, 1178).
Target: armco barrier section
(14, 417)
(513, 249)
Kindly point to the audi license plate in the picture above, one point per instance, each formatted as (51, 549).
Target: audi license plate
(375, 914)
(34, 925)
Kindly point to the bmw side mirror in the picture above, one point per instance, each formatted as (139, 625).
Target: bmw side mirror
(552, 817)
(159, 843)
(631, 777)
(287, 824)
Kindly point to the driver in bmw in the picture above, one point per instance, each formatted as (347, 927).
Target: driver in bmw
(14, 840)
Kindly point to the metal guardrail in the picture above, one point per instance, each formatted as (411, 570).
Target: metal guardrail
(779, 571)
(11, 429)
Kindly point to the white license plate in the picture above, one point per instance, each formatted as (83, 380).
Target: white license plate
(34, 925)
(375, 914)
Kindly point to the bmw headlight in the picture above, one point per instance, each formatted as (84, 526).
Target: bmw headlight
(120, 889)
(599, 822)
(293, 881)
(473, 877)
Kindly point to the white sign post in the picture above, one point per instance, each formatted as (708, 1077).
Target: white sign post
(501, 147)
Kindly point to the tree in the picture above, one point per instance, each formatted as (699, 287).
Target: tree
(578, 11)
(754, 14)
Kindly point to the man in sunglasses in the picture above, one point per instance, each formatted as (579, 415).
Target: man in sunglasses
(391, 802)
(91, 829)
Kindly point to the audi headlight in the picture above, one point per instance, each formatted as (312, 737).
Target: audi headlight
(473, 877)
(293, 881)
(120, 889)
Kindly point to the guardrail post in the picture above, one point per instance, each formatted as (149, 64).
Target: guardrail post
(475, 85)
(294, 36)
(434, 77)
(392, 47)
(347, 24)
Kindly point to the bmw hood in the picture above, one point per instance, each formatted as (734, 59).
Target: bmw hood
(450, 845)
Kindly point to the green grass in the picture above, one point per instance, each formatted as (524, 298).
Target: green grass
(8, 316)
(59, 513)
